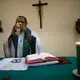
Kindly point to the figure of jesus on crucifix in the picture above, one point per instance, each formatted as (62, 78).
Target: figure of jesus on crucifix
(39, 5)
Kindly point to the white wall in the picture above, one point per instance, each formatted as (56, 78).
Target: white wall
(58, 35)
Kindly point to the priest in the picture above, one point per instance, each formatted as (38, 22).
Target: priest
(21, 42)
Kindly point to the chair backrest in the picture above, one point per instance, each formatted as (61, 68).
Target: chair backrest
(28, 30)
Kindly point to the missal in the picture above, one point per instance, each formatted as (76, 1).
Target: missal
(39, 58)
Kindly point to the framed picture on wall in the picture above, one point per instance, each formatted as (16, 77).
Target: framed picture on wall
(78, 26)
(1, 30)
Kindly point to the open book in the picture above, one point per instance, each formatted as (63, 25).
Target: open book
(39, 58)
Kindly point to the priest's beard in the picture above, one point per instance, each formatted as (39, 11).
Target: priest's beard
(18, 31)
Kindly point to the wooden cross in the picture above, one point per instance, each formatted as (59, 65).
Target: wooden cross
(39, 5)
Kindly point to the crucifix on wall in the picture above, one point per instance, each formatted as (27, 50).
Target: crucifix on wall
(39, 5)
